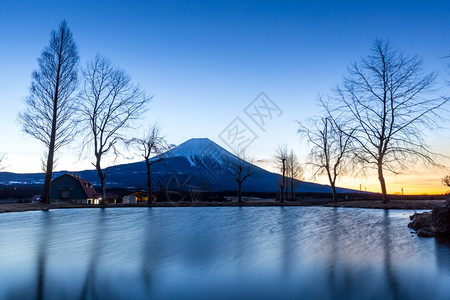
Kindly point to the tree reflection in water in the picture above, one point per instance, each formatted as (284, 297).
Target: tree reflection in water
(45, 236)
(253, 252)
(388, 266)
(98, 230)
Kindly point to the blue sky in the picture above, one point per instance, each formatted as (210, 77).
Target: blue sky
(205, 61)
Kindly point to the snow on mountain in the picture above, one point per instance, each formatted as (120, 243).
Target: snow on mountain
(199, 150)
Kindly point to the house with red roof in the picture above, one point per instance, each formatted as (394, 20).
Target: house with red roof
(71, 188)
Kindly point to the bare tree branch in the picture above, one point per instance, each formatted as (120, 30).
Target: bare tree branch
(446, 180)
(331, 147)
(281, 156)
(240, 167)
(295, 172)
(2, 161)
(51, 106)
(153, 147)
(110, 105)
(388, 99)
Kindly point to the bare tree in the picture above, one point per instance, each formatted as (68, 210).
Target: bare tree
(240, 168)
(446, 180)
(294, 172)
(161, 182)
(153, 143)
(48, 116)
(330, 149)
(2, 161)
(389, 100)
(110, 104)
(281, 156)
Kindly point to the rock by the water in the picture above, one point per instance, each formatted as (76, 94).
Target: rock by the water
(441, 219)
(435, 223)
(425, 232)
(420, 220)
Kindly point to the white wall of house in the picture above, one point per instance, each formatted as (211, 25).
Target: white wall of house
(129, 199)
(92, 201)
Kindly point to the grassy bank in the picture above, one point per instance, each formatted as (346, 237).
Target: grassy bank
(393, 204)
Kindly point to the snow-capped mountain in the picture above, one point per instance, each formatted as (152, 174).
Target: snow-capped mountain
(201, 152)
(196, 148)
(198, 163)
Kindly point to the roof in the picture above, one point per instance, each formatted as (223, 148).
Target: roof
(138, 194)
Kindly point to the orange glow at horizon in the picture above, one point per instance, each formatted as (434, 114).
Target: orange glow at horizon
(415, 183)
(423, 182)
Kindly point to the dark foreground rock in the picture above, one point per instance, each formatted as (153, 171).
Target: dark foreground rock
(432, 224)
(441, 218)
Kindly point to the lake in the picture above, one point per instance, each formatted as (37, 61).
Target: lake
(219, 253)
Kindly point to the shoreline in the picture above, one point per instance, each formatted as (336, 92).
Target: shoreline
(393, 204)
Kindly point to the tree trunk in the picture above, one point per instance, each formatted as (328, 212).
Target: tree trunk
(103, 191)
(281, 193)
(332, 180)
(48, 178)
(333, 188)
(287, 191)
(283, 179)
(49, 166)
(51, 146)
(102, 177)
(149, 181)
(292, 188)
(239, 192)
(384, 197)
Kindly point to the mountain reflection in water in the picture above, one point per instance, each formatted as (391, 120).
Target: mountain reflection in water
(219, 253)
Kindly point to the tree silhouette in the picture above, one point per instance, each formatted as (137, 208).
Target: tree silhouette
(240, 168)
(388, 99)
(110, 104)
(51, 105)
(153, 143)
(281, 156)
(330, 148)
(2, 161)
(294, 171)
(446, 180)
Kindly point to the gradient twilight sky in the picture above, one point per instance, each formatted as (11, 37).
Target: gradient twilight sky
(205, 61)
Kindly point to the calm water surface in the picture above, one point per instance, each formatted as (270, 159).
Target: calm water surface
(219, 253)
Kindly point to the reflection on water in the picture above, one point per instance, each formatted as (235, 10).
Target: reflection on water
(219, 253)
(42, 257)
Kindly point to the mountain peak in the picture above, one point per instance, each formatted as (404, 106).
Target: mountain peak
(197, 141)
(196, 148)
